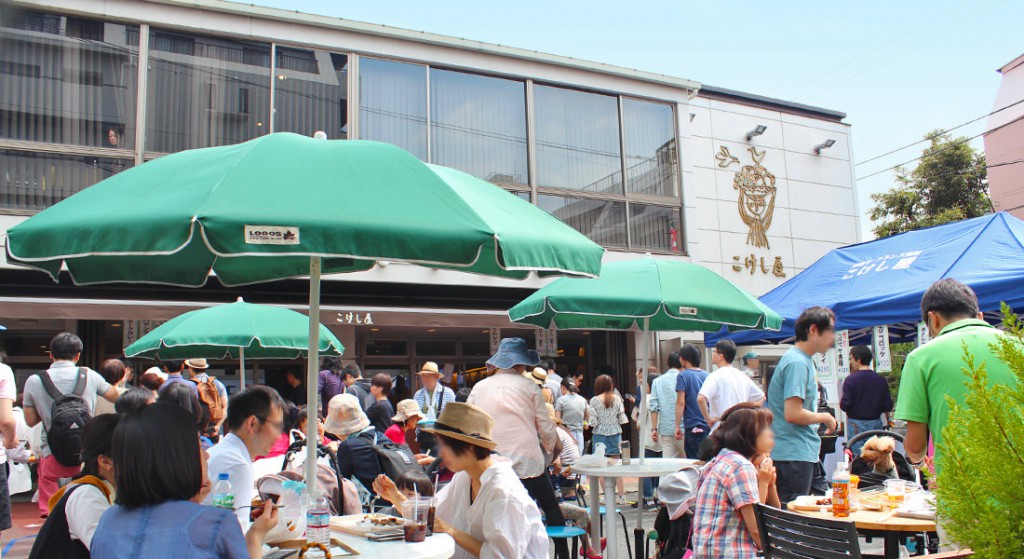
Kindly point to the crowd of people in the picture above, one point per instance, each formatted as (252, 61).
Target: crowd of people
(143, 456)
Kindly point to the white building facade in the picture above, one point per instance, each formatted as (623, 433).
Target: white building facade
(754, 188)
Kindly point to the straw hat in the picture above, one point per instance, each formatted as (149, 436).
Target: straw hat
(406, 410)
(467, 423)
(537, 375)
(430, 368)
(198, 364)
(345, 416)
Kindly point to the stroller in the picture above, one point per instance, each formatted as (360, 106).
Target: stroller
(341, 493)
(868, 477)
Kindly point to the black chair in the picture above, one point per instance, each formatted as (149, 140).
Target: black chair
(785, 535)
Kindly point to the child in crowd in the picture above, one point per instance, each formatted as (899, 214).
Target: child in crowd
(740, 476)
(410, 484)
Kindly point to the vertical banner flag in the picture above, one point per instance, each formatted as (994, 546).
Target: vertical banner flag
(542, 342)
(132, 330)
(495, 337)
(883, 358)
(552, 342)
(923, 336)
(842, 349)
(824, 363)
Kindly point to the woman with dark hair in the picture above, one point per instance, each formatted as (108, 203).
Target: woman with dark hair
(607, 415)
(485, 508)
(133, 400)
(153, 379)
(740, 476)
(182, 395)
(76, 508)
(113, 371)
(160, 469)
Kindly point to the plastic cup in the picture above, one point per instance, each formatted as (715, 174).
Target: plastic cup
(896, 490)
(415, 512)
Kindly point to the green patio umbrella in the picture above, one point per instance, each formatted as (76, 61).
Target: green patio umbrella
(285, 205)
(651, 295)
(234, 331)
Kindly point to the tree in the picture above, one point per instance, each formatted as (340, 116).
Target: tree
(981, 481)
(949, 184)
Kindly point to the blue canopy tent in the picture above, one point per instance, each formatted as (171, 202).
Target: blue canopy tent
(881, 282)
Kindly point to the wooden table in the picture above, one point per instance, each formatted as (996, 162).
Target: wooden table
(882, 523)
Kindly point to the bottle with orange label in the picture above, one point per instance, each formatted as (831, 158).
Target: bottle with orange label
(841, 491)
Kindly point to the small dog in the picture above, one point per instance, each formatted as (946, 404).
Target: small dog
(877, 452)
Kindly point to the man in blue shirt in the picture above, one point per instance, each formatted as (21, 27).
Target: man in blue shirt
(691, 427)
(792, 399)
(663, 405)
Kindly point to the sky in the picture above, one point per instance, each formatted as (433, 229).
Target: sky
(898, 69)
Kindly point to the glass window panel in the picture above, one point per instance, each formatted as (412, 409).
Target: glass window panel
(650, 148)
(311, 92)
(387, 347)
(603, 221)
(393, 104)
(205, 91)
(34, 181)
(577, 140)
(655, 227)
(476, 348)
(67, 80)
(478, 125)
(435, 347)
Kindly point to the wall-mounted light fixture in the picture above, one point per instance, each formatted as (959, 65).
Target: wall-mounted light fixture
(757, 131)
(824, 145)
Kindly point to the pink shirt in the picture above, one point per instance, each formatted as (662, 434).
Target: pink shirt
(522, 428)
(395, 433)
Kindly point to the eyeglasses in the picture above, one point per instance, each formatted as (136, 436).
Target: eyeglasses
(279, 425)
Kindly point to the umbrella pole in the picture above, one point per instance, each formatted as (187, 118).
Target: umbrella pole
(241, 367)
(638, 531)
(312, 370)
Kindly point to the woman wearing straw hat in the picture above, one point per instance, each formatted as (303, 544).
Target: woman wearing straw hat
(485, 508)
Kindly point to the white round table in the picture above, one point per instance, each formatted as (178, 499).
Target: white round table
(652, 467)
(437, 546)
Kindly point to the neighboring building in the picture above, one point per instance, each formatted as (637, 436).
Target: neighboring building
(639, 162)
(1004, 141)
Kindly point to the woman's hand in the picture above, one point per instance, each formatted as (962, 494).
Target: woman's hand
(387, 490)
(266, 521)
(440, 526)
(424, 460)
(765, 469)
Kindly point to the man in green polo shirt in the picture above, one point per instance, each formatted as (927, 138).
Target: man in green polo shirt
(936, 370)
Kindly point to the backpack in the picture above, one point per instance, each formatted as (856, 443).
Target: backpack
(674, 536)
(68, 415)
(210, 397)
(394, 459)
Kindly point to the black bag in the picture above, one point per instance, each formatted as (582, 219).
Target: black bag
(823, 407)
(68, 415)
(54, 538)
(673, 535)
(394, 459)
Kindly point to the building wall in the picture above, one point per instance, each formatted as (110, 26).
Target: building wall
(1004, 143)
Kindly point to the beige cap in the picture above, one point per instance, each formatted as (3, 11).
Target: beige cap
(345, 416)
(406, 410)
(430, 368)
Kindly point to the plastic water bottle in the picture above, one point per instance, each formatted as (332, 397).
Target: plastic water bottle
(223, 495)
(318, 522)
(841, 491)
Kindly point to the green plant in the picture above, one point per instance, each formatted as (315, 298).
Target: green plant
(981, 476)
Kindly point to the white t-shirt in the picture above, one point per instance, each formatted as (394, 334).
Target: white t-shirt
(84, 508)
(231, 456)
(7, 392)
(727, 387)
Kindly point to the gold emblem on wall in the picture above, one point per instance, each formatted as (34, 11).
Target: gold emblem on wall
(756, 199)
(725, 158)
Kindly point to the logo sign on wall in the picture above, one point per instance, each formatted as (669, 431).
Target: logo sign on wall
(842, 349)
(756, 198)
(132, 330)
(547, 342)
(880, 341)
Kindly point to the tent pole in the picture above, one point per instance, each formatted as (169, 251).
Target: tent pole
(312, 370)
(643, 393)
(241, 367)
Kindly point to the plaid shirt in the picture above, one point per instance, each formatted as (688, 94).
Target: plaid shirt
(432, 407)
(727, 483)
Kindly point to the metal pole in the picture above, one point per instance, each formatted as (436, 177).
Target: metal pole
(241, 372)
(312, 370)
(638, 532)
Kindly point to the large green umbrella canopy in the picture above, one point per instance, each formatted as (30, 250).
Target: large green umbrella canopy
(258, 211)
(649, 294)
(284, 205)
(224, 331)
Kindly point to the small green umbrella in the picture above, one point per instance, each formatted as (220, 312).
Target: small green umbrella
(236, 331)
(284, 205)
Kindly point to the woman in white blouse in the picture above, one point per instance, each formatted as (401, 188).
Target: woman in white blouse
(485, 508)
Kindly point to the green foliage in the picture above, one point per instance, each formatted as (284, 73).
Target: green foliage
(949, 184)
(981, 477)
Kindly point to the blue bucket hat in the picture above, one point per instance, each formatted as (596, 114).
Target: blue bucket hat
(512, 352)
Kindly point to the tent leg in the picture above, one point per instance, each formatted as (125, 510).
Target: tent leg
(639, 452)
(241, 368)
(312, 370)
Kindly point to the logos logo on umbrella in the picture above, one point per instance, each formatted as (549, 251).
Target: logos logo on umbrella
(271, 235)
